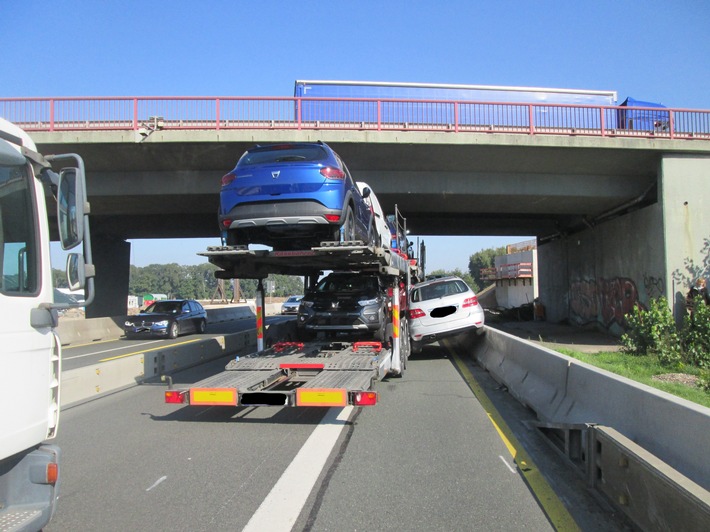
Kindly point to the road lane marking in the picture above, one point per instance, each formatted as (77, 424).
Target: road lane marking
(108, 350)
(282, 506)
(512, 470)
(149, 350)
(550, 503)
(157, 483)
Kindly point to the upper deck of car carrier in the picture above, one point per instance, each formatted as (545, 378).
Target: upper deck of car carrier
(240, 262)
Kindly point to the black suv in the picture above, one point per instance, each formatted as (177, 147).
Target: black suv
(345, 302)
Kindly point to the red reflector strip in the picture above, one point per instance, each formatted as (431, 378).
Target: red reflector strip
(374, 346)
(364, 398)
(280, 346)
(294, 253)
(294, 365)
(52, 473)
(332, 217)
(175, 397)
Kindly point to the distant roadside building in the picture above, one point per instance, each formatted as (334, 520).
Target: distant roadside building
(515, 275)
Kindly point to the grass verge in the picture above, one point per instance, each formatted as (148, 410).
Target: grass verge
(642, 369)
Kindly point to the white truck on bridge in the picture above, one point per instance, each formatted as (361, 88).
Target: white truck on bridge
(30, 356)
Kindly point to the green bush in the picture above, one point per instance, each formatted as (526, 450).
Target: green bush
(696, 336)
(654, 332)
(704, 380)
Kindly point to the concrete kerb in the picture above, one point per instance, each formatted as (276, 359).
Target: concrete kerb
(571, 392)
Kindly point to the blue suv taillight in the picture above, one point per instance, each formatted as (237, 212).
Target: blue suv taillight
(332, 173)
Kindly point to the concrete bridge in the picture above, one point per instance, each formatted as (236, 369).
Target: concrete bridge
(618, 219)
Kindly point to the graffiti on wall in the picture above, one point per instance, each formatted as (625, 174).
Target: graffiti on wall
(604, 300)
(654, 286)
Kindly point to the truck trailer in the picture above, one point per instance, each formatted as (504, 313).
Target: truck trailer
(430, 105)
(323, 372)
(30, 356)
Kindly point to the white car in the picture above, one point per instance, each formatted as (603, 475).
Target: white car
(442, 307)
(384, 235)
(290, 306)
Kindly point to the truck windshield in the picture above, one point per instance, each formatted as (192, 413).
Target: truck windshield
(18, 229)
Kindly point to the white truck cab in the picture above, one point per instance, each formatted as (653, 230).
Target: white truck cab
(30, 350)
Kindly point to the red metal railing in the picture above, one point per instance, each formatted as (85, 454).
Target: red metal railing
(518, 270)
(123, 113)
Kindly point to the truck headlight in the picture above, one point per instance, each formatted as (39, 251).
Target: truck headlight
(367, 302)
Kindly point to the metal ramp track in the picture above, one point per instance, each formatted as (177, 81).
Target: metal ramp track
(241, 380)
(239, 262)
(350, 380)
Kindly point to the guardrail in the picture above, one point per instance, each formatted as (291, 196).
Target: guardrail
(645, 449)
(217, 113)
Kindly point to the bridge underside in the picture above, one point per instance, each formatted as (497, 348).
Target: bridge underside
(168, 185)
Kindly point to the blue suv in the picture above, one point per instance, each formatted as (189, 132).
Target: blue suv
(293, 196)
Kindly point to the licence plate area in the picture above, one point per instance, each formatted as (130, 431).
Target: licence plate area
(443, 312)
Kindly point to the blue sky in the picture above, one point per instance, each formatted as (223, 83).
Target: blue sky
(651, 50)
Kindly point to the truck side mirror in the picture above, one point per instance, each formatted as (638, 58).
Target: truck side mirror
(76, 274)
(70, 212)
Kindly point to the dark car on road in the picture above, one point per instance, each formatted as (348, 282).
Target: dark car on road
(345, 302)
(292, 196)
(167, 318)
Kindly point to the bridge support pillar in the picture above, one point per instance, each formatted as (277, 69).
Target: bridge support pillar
(685, 198)
(112, 256)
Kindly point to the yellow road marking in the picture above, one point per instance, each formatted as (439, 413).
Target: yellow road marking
(551, 504)
(149, 350)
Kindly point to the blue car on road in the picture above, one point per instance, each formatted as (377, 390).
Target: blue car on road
(293, 196)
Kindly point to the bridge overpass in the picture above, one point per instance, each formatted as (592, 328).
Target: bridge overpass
(619, 215)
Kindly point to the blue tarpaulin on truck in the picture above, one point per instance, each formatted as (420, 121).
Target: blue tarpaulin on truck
(642, 116)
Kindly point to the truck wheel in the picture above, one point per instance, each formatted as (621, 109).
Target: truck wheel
(173, 331)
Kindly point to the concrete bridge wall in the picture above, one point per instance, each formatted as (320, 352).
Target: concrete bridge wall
(597, 275)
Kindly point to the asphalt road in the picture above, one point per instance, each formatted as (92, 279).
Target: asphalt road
(427, 457)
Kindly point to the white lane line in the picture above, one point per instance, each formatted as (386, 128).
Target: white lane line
(507, 464)
(284, 503)
(157, 482)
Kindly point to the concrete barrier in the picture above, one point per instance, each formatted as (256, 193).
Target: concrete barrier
(541, 386)
(563, 390)
(673, 429)
(81, 384)
(80, 331)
